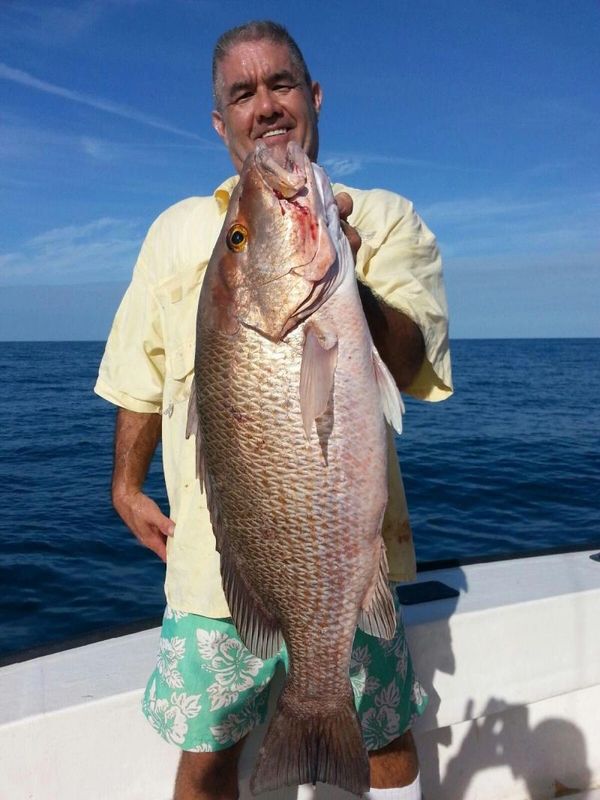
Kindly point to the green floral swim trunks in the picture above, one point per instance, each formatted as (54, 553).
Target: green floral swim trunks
(208, 691)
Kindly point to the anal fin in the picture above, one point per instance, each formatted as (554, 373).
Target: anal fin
(257, 627)
(377, 617)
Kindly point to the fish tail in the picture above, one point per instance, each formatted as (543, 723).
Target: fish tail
(300, 748)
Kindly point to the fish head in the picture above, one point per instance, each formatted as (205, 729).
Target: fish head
(274, 262)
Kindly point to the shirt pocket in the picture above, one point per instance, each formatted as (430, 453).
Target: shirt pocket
(180, 375)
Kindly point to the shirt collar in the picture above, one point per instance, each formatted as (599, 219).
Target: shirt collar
(222, 194)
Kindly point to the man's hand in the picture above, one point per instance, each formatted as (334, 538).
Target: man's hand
(136, 438)
(397, 339)
(345, 205)
(145, 520)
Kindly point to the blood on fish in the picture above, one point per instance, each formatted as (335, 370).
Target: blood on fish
(295, 203)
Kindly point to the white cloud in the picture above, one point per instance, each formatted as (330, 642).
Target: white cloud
(340, 167)
(52, 23)
(99, 103)
(97, 149)
(473, 210)
(340, 164)
(501, 225)
(20, 140)
(104, 249)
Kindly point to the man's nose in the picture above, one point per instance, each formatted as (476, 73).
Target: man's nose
(267, 104)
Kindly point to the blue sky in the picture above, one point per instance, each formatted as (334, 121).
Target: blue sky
(485, 114)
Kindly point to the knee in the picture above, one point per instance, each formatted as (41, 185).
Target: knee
(396, 764)
(405, 744)
(213, 775)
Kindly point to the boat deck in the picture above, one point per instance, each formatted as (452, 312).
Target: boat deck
(512, 667)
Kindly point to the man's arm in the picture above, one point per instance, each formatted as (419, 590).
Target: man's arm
(136, 438)
(398, 339)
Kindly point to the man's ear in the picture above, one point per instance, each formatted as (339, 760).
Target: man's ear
(219, 126)
(317, 95)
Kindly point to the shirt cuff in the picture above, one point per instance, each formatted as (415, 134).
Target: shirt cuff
(124, 400)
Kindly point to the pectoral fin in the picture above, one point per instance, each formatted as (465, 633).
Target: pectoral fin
(317, 373)
(391, 402)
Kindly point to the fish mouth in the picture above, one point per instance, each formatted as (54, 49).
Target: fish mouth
(284, 168)
(286, 171)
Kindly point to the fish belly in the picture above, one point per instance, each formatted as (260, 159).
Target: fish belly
(301, 517)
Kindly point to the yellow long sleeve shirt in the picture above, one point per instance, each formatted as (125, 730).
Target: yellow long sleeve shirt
(149, 360)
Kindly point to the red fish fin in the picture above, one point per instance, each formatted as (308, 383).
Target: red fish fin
(392, 404)
(258, 629)
(319, 359)
(193, 429)
(377, 617)
(306, 749)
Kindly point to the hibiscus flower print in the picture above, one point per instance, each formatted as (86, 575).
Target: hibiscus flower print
(418, 695)
(233, 665)
(221, 696)
(209, 643)
(170, 652)
(170, 613)
(169, 717)
(381, 724)
(390, 696)
(360, 662)
(235, 726)
(203, 747)
(379, 727)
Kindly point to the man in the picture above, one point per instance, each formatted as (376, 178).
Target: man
(208, 691)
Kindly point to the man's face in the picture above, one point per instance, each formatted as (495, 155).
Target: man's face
(262, 96)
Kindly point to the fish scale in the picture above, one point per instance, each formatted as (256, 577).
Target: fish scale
(278, 485)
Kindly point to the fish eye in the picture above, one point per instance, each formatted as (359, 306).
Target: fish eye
(237, 238)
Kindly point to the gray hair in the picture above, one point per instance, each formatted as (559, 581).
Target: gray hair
(252, 32)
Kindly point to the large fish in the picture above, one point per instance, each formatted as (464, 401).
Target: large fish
(288, 410)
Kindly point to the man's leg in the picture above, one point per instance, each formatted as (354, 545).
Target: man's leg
(390, 698)
(396, 764)
(214, 776)
(205, 695)
(209, 776)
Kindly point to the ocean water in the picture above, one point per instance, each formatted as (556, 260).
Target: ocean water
(509, 464)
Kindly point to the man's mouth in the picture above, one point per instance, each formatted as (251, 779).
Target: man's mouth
(276, 132)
